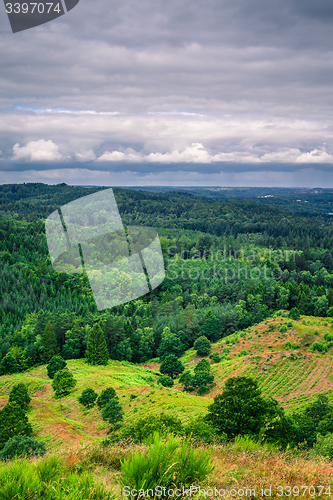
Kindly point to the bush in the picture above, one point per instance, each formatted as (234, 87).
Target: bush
(215, 357)
(202, 366)
(166, 381)
(106, 396)
(113, 412)
(56, 363)
(319, 346)
(171, 366)
(283, 329)
(145, 426)
(20, 395)
(13, 422)
(203, 431)
(328, 337)
(63, 382)
(294, 314)
(8, 365)
(171, 464)
(289, 324)
(88, 398)
(202, 346)
(48, 480)
(22, 446)
(324, 445)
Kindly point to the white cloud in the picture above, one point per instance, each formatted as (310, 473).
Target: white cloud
(315, 156)
(37, 151)
(85, 156)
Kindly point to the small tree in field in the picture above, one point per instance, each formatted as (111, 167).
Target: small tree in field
(20, 395)
(166, 381)
(106, 396)
(13, 422)
(88, 398)
(97, 351)
(56, 363)
(63, 382)
(8, 365)
(171, 366)
(202, 346)
(113, 413)
(50, 346)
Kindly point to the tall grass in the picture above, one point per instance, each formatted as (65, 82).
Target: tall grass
(48, 479)
(169, 463)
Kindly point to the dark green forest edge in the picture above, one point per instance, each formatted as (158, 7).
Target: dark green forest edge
(231, 263)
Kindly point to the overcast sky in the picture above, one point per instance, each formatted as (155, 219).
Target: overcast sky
(210, 92)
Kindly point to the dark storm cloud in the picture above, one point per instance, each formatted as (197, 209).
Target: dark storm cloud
(249, 83)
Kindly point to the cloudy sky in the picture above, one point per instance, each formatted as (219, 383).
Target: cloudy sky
(201, 92)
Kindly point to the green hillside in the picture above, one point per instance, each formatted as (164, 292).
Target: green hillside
(292, 376)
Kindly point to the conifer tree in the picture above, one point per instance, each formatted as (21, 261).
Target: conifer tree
(13, 422)
(8, 365)
(50, 347)
(20, 395)
(97, 351)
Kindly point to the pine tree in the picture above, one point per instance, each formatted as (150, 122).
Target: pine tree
(8, 365)
(20, 395)
(97, 351)
(50, 347)
(13, 422)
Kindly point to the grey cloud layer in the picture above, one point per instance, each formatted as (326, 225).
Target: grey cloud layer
(257, 76)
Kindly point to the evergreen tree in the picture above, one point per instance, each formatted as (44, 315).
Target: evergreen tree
(211, 327)
(8, 365)
(97, 351)
(63, 382)
(106, 396)
(49, 341)
(202, 346)
(171, 366)
(56, 363)
(170, 344)
(88, 398)
(13, 422)
(113, 412)
(20, 395)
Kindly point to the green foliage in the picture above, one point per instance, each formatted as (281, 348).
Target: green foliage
(22, 446)
(106, 396)
(324, 445)
(283, 329)
(289, 324)
(328, 337)
(171, 366)
(291, 345)
(140, 430)
(202, 365)
(13, 422)
(294, 314)
(113, 412)
(48, 480)
(56, 363)
(88, 397)
(170, 463)
(240, 408)
(97, 351)
(49, 341)
(202, 346)
(202, 431)
(170, 344)
(215, 357)
(63, 382)
(166, 381)
(319, 346)
(8, 365)
(19, 394)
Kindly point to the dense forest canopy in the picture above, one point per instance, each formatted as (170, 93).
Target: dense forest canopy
(230, 262)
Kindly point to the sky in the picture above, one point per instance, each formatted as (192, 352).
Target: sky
(177, 93)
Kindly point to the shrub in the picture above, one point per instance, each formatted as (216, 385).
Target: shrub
(13, 422)
(316, 332)
(105, 397)
(203, 431)
(243, 352)
(202, 366)
(215, 357)
(139, 431)
(88, 398)
(324, 445)
(63, 382)
(20, 395)
(283, 329)
(22, 446)
(319, 346)
(48, 480)
(56, 363)
(171, 366)
(289, 324)
(166, 381)
(294, 314)
(328, 337)
(225, 350)
(169, 463)
(8, 365)
(202, 346)
(113, 412)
